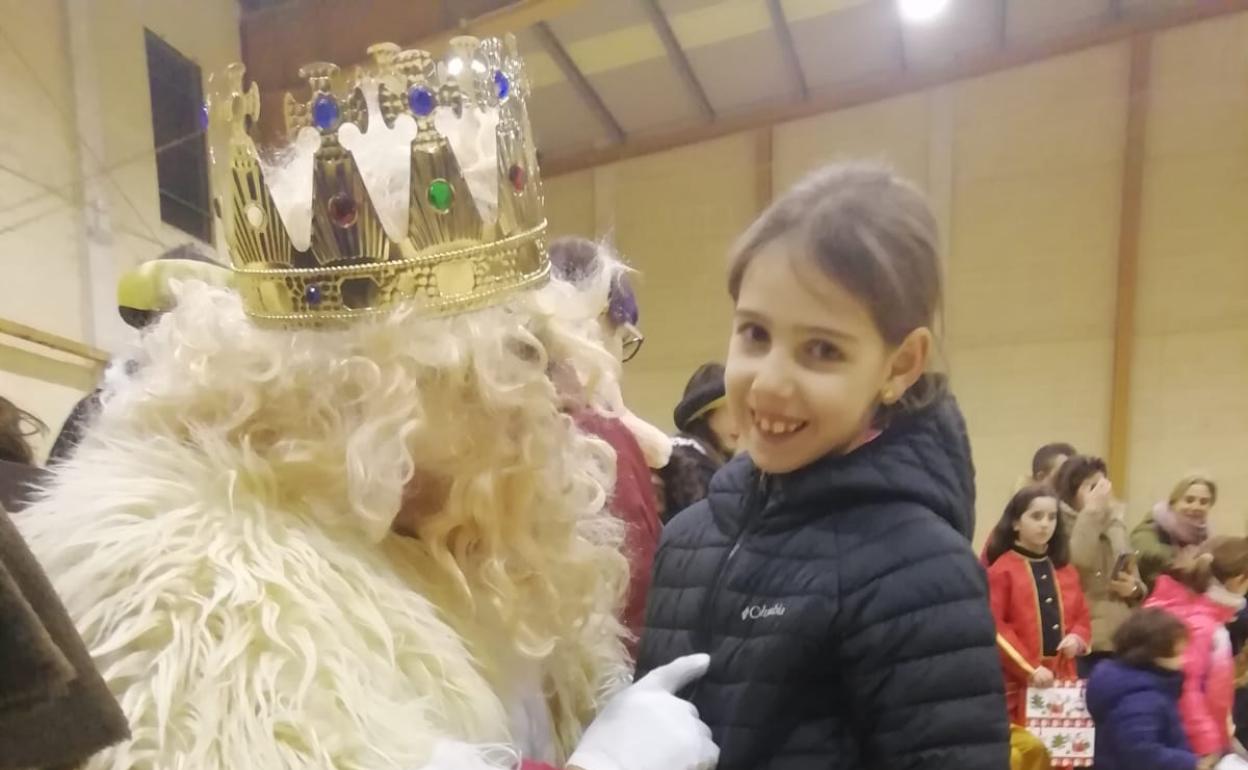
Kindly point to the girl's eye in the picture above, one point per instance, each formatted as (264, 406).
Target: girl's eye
(822, 350)
(752, 332)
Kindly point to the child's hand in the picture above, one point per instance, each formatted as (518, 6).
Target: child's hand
(1072, 646)
(1207, 763)
(1042, 677)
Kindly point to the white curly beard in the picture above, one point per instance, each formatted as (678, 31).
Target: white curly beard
(240, 637)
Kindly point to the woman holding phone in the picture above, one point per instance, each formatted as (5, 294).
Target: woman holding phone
(1100, 551)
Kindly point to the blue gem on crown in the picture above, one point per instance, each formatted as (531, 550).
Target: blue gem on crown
(421, 100)
(325, 112)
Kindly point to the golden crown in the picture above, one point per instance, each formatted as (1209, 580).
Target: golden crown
(434, 197)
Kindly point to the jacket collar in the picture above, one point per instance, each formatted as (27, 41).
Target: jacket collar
(1030, 555)
(923, 458)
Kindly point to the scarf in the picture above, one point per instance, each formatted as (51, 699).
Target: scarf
(1224, 596)
(1182, 531)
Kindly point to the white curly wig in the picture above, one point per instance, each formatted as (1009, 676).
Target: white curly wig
(337, 432)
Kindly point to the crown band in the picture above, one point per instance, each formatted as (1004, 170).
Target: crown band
(442, 283)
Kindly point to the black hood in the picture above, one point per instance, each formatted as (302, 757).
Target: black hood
(923, 457)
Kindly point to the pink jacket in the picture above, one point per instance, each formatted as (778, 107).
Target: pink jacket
(1208, 665)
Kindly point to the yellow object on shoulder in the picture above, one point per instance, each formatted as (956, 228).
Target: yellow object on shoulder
(1027, 752)
(146, 291)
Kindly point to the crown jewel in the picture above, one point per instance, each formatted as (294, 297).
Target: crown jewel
(414, 181)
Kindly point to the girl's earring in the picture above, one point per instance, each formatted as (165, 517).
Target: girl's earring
(887, 396)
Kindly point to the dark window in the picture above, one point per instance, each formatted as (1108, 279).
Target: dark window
(181, 150)
(250, 6)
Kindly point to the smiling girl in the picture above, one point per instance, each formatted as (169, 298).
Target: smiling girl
(829, 573)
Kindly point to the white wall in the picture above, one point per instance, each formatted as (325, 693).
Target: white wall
(78, 196)
(1024, 169)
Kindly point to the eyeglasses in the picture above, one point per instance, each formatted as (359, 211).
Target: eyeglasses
(632, 342)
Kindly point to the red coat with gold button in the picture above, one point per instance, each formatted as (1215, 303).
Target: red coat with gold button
(1036, 606)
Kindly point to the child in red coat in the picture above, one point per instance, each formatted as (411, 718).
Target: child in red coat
(1043, 622)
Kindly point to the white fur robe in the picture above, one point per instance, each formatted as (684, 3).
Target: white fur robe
(249, 639)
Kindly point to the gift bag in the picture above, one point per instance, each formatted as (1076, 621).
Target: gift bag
(1058, 716)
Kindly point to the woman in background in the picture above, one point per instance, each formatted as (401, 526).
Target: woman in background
(1099, 550)
(707, 440)
(1181, 521)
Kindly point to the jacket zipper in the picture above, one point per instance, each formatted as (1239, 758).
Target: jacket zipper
(754, 502)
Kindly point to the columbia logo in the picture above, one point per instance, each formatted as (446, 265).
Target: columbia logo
(756, 611)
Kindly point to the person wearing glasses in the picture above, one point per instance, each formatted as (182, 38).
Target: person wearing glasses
(596, 277)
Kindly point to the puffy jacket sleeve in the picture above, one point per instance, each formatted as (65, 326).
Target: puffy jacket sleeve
(1014, 660)
(1135, 729)
(1199, 721)
(922, 681)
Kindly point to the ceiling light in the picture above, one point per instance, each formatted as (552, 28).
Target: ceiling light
(921, 10)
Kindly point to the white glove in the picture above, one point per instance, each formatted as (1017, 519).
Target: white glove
(646, 727)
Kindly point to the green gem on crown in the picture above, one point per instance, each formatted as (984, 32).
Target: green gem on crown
(441, 194)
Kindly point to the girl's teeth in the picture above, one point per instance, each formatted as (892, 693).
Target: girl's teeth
(777, 428)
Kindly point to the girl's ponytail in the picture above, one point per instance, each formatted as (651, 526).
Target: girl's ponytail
(1194, 570)
(1220, 558)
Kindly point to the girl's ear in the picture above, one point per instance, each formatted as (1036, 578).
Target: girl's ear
(906, 365)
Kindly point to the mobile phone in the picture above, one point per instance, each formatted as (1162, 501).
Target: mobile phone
(1123, 564)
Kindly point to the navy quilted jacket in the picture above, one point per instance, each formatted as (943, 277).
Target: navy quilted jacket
(1136, 711)
(846, 616)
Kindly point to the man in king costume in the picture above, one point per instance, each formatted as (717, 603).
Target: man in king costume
(336, 518)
